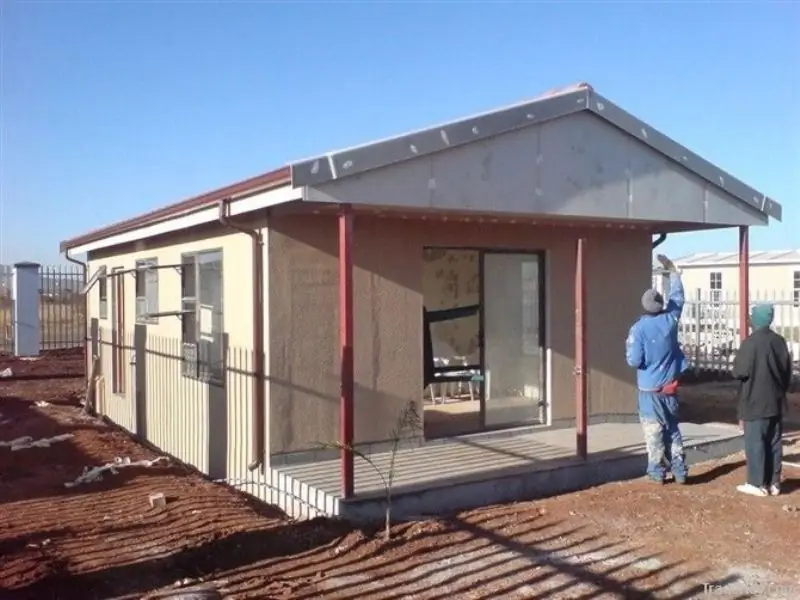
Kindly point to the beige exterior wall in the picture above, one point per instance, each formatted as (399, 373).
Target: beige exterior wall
(765, 280)
(768, 282)
(178, 419)
(388, 279)
(302, 324)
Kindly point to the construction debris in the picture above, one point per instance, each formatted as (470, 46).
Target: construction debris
(28, 442)
(6, 373)
(157, 500)
(96, 473)
(42, 403)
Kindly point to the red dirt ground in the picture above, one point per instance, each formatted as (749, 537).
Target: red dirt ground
(101, 540)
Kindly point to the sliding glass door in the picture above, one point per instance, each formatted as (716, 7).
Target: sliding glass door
(513, 341)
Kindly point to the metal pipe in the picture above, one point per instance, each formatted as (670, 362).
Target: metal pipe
(581, 390)
(347, 390)
(85, 268)
(744, 282)
(258, 422)
(661, 239)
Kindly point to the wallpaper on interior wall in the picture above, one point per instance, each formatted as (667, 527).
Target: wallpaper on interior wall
(450, 279)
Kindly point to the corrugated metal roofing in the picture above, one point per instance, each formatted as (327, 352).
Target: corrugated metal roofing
(762, 257)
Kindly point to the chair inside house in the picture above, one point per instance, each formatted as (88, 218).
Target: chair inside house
(454, 376)
(452, 380)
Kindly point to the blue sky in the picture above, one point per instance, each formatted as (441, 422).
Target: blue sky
(113, 108)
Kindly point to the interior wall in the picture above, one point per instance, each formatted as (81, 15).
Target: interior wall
(388, 279)
(451, 278)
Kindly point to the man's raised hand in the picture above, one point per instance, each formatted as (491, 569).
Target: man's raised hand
(666, 262)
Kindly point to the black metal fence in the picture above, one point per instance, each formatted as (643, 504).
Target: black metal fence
(62, 307)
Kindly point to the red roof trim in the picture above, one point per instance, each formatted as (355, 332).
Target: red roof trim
(275, 178)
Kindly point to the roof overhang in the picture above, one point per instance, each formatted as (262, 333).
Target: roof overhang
(559, 103)
(297, 181)
(239, 205)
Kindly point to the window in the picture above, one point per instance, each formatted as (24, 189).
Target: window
(146, 290)
(202, 323)
(715, 283)
(102, 290)
(796, 289)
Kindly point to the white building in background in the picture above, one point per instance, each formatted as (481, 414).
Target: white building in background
(774, 275)
(713, 279)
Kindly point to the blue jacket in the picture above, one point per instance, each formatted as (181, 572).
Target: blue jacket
(652, 346)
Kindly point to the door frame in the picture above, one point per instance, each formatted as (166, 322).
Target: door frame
(544, 332)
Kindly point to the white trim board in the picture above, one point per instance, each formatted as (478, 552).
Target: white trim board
(251, 203)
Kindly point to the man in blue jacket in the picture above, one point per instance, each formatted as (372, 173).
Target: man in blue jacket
(652, 349)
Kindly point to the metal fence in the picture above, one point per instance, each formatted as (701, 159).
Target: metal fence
(62, 309)
(143, 385)
(709, 329)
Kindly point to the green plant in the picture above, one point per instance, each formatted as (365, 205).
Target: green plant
(408, 422)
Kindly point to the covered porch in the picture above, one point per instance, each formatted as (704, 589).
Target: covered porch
(477, 470)
(570, 161)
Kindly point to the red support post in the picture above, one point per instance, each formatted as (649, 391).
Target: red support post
(581, 389)
(744, 282)
(347, 389)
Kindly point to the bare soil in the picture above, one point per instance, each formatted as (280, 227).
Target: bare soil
(102, 540)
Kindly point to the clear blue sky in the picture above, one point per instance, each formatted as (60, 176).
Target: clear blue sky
(113, 108)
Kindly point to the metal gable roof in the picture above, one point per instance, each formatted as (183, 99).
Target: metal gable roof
(551, 105)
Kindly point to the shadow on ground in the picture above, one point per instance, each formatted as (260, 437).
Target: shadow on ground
(435, 560)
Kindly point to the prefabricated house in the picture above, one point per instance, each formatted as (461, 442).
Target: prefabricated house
(480, 276)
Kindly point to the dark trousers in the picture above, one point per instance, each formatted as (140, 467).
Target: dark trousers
(763, 451)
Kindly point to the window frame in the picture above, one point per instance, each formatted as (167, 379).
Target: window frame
(796, 289)
(715, 285)
(140, 277)
(195, 365)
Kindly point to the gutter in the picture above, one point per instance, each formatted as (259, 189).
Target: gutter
(258, 447)
(85, 268)
(661, 238)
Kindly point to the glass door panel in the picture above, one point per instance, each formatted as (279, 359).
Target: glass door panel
(512, 338)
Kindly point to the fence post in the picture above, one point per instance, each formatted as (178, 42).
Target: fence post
(698, 309)
(94, 338)
(27, 322)
(140, 379)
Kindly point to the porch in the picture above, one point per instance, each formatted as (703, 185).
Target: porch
(463, 472)
(569, 161)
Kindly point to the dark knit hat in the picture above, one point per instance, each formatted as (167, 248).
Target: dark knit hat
(652, 302)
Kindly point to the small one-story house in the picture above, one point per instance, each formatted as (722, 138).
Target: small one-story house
(262, 324)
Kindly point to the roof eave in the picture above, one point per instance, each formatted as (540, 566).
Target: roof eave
(675, 151)
(272, 179)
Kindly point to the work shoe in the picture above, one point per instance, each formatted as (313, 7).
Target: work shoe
(681, 480)
(752, 490)
(775, 489)
(654, 479)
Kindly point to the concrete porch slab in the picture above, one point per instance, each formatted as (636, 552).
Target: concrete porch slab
(469, 471)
